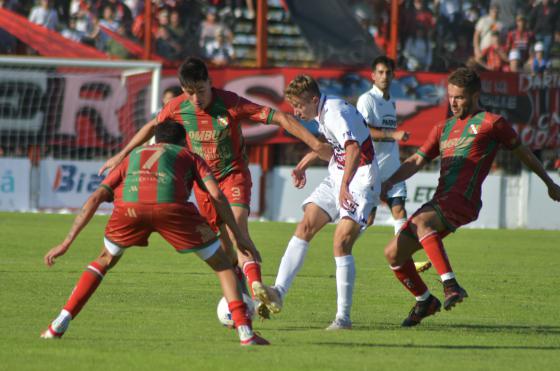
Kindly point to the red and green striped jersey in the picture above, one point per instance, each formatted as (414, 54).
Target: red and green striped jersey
(157, 173)
(467, 148)
(215, 132)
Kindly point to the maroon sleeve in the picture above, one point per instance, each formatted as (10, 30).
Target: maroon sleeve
(430, 149)
(503, 132)
(253, 111)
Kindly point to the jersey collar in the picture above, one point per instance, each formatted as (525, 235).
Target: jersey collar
(378, 93)
(322, 101)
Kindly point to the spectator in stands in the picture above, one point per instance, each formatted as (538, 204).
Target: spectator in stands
(543, 20)
(108, 19)
(539, 63)
(44, 15)
(175, 27)
(220, 51)
(418, 51)
(493, 57)
(417, 16)
(515, 61)
(209, 27)
(555, 51)
(508, 10)
(115, 48)
(81, 11)
(166, 46)
(482, 37)
(449, 17)
(71, 32)
(121, 12)
(520, 38)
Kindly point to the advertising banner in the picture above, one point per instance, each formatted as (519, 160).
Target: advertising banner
(68, 184)
(14, 184)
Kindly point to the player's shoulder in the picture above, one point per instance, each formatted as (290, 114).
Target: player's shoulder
(175, 103)
(228, 98)
(337, 104)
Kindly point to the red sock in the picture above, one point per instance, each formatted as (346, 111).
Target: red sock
(410, 278)
(238, 310)
(252, 271)
(433, 246)
(85, 287)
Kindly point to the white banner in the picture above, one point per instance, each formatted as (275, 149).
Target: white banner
(14, 184)
(68, 184)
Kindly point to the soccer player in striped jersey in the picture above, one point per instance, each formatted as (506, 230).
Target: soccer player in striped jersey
(150, 189)
(380, 112)
(467, 144)
(212, 118)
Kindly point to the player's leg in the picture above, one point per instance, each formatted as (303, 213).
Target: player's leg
(314, 218)
(432, 225)
(399, 256)
(84, 289)
(221, 264)
(250, 265)
(346, 233)
(398, 211)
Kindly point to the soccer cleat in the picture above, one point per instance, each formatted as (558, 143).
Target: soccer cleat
(49, 333)
(255, 340)
(340, 324)
(262, 310)
(421, 310)
(453, 294)
(269, 296)
(422, 266)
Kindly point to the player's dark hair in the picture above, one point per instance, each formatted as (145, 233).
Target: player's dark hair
(303, 86)
(192, 71)
(466, 78)
(175, 90)
(170, 132)
(384, 60)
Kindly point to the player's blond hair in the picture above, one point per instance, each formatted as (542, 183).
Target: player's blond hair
(304, 87)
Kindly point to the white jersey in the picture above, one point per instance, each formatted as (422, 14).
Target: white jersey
(381, 114)
(340, 122)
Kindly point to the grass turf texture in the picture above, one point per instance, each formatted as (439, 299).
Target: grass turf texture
(156, 308)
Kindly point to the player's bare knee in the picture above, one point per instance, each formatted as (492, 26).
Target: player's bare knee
(391, 253)
(107, 260)
(305, 230)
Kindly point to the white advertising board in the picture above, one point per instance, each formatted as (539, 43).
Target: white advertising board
(14, 184)
(68, 184)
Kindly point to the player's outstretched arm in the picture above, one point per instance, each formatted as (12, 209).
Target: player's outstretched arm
(81, 220)
(141, 137)
(408, 168)
(396, 135)
(291, 125)
(533, 163)
(220, 202)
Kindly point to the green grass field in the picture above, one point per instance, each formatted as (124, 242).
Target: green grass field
(156, 309)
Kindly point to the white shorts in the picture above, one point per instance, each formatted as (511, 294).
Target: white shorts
(364, 189)
(204, 253)
(398, 190)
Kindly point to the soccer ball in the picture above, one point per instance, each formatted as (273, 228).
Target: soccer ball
(224, 315)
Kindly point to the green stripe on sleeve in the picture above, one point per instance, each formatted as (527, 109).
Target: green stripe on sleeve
(270, 116)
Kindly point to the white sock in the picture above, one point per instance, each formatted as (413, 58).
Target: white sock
(245, 332)
(398, 224)
(60, 323)
(291, 263)
(345, 277)
(447, 276)
(424, 296)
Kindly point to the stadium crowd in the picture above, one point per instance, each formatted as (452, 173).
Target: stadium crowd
(434, 35)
